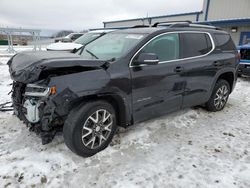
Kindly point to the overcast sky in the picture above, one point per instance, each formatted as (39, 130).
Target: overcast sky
(84, 14)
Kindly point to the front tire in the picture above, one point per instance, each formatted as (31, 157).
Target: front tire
(90, 128)
(219, 96)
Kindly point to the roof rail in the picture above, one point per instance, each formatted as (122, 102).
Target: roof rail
(172, 23)
(179, 25)
(186, 23)
(140, 26)
(204, 26)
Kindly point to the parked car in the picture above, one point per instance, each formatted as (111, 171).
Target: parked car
(69, 38)
(125, 77)
(78, 43)
(244, 67)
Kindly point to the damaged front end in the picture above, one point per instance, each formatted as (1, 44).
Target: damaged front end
(45, 90)
(34, 105)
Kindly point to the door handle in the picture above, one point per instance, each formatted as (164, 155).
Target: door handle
(178, 69)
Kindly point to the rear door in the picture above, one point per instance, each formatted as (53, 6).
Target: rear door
(198, 66)
(157, 89)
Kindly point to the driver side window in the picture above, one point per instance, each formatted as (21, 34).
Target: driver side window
(166, 47)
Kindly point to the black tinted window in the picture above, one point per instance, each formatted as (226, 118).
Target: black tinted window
(195, 44)
(224, 41)
(166, 47)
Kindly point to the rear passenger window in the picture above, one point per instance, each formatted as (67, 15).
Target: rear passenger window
(195, 44)
(224, 41)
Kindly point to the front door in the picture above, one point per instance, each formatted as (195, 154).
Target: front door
(157, 89)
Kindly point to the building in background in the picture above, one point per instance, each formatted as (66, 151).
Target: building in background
(231, 15)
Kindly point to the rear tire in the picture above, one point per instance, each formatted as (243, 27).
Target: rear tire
(219, 96)
(90, 128)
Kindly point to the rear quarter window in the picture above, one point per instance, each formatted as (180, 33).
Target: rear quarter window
(195, 44)
(224, 42)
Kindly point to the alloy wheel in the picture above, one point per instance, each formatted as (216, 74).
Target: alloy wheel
(97, 128)
(221, 97)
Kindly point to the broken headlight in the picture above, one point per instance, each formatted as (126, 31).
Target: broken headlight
(39, 91)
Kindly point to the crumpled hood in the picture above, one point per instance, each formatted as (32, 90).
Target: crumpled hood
(26, 67)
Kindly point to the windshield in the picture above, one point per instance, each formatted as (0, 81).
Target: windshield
(111, 46)
(86, 38)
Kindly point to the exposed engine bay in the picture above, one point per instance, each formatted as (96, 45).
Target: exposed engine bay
(29, 103)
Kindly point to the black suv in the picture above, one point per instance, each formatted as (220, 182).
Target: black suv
(122, 78)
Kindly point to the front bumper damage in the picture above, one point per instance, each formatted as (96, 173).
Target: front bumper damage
(35, 73)
(42, 112)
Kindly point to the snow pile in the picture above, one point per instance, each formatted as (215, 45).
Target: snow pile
(4, 52)
(5, 80)
(188, 148)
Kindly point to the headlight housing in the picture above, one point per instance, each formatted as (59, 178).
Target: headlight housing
(39, 91)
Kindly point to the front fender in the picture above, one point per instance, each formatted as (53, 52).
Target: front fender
(82, 83)
(76, 88)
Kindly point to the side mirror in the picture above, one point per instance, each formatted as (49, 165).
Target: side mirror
(74, 50)
(147, 59)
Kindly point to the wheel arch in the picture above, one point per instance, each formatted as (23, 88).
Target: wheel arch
(229, 77)
(226, 74)
(119, 103)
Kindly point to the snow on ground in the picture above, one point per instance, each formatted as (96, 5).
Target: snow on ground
(4, 52)
(189, 148)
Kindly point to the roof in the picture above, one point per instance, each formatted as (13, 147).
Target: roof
(162, 29)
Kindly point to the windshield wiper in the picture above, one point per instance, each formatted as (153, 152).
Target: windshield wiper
(91, 53)
(112, 59)
(81, 49)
